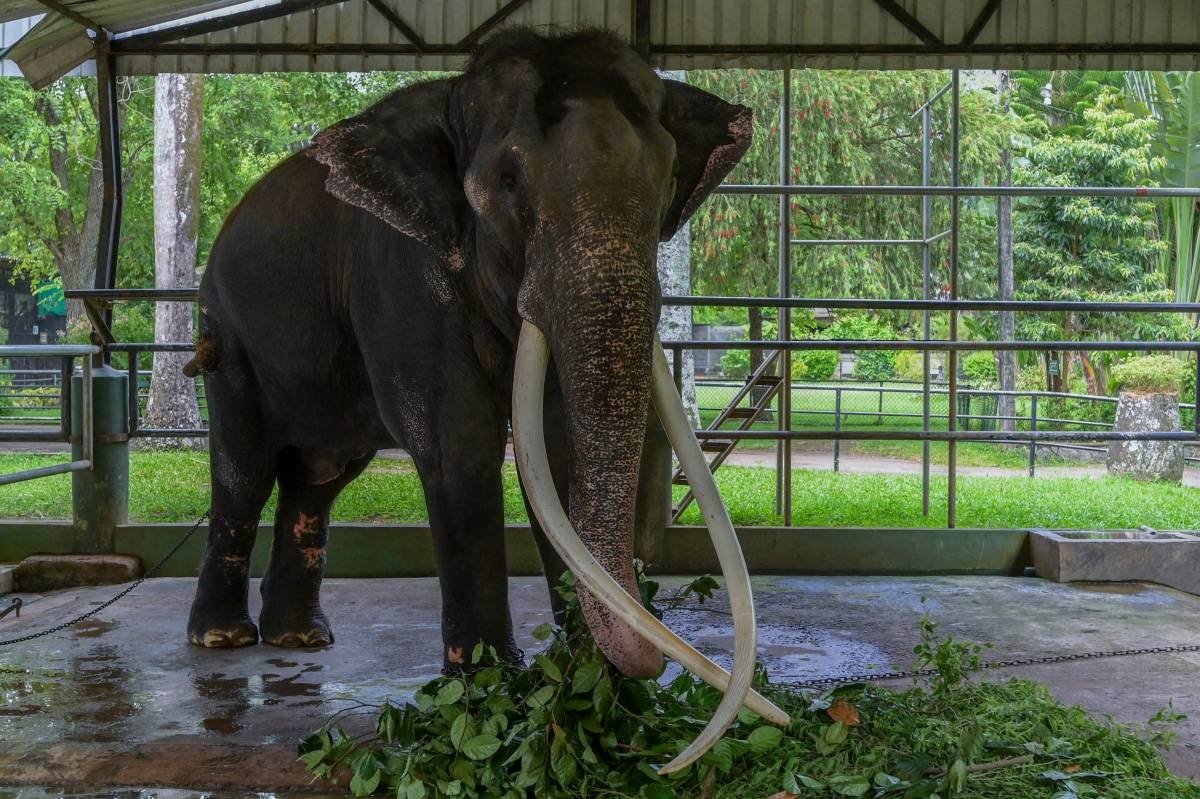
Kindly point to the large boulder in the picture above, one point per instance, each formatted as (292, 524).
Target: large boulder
(1142, 412)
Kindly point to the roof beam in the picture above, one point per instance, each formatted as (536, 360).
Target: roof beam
(914, 25)
(472, 38)
(873, 48)
(215, 24)
(984, 17)
(70, 13)
(398, 23)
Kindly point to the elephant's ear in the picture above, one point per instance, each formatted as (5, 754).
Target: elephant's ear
(711, 136)
(396, 160)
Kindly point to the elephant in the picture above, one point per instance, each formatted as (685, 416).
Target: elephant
(378, 288)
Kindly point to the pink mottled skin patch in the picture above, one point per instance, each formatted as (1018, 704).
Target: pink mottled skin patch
(455, 655)
(741, 129)
(305, 525)
(313, 557)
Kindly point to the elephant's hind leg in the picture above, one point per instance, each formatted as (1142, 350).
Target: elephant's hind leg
(243, 472)
(291, 588)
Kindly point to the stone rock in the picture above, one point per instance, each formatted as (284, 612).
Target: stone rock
(6, 579)
(39, 573)
(1147, 460)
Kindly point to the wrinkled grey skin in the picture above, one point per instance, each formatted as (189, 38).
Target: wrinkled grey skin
(369, 293)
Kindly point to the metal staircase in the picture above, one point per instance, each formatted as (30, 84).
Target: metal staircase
(760, 405)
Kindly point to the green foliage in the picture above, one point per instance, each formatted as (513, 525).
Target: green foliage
(848, 127)
(1172, 99)
(910, 365)
(570, 726)
(818, 364)
(1090, 248)
(949, 662)
(735, 363)
(872, 365)
(1151, 373)
(980, 370)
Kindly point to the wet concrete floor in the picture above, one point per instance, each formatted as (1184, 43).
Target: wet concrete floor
(122, 700)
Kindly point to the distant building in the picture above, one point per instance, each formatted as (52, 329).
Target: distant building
(29, 319)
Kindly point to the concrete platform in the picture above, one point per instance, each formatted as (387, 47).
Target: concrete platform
(123, 701)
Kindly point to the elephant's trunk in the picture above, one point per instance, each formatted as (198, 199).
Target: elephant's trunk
(602, 349)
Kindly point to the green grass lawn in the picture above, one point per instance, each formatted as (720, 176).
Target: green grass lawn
(173, 487)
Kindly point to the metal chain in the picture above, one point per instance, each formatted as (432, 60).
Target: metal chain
(826, 683)
(150, 573)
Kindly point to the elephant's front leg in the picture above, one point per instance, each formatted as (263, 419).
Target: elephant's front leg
(291, 588)
(466, 511)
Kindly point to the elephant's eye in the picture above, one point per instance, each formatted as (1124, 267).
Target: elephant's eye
(508, 181)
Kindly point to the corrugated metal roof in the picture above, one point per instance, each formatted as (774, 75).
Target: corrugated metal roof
(683, 34)
(11, 33)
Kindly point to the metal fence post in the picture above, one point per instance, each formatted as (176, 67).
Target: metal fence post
(879, 418)
(1033, 423)
(837, 428)
(99, 432)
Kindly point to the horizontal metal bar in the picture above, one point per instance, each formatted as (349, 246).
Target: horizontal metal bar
(31, 436)
(938, 237)
(219, 23)
(940, 345)
(944, 50)
(160, 295)
(130, 48)
(945, 435)
(47, 350)
(856, 303)
(145, 346)
(958, 191)
(851, 242)
(846, 242)
(143, 432)
(45, 471)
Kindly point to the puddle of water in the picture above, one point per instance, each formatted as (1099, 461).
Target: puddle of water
(92, 628)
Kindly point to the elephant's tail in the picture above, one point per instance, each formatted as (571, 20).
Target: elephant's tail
(206, 359)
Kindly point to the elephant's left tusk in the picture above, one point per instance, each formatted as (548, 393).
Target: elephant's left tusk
(729, 554)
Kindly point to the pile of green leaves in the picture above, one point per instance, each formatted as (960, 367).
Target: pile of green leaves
(570, 726)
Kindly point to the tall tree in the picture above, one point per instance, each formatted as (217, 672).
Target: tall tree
(1090, 248)
(50, 186)
(1173, 100)
(178, 130)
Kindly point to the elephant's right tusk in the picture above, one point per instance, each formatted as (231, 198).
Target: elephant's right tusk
(729, 553)
(529, 378)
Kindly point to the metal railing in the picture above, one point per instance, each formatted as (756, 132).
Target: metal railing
(68, 353)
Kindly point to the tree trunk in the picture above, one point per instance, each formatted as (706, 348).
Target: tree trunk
(178, 126)
(75, 246)
(675, 277)
(1007, 365)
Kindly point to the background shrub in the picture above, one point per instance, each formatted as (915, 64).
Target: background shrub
(1151, 373)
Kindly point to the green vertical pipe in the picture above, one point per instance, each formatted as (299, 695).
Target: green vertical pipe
(100, 495)
(654, 494)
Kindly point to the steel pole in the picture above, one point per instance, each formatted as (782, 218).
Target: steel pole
(784, 449)
(926, 293)
(110, 168)
(952, 445)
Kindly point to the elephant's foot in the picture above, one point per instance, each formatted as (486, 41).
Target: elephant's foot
(300, 629)
(213, 630)
(457, 659)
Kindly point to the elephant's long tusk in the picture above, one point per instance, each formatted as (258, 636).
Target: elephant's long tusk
(533, 355)
(729, 553)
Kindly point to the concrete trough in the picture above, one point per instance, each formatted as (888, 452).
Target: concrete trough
(1165, 557)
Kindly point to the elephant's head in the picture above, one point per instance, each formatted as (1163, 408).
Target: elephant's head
(547, 174)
